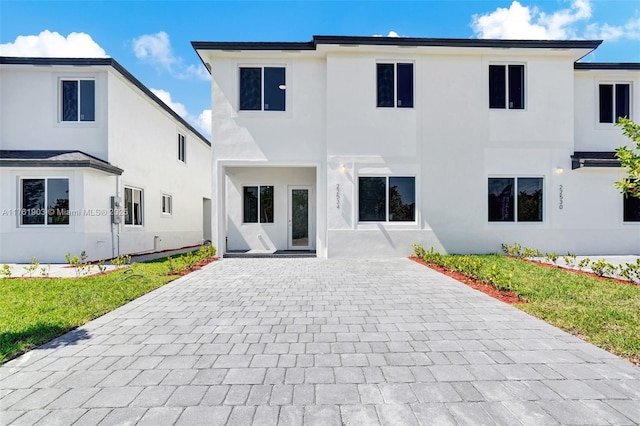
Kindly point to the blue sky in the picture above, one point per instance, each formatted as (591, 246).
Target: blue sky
(152, 39)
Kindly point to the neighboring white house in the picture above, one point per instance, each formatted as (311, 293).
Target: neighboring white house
(92, 161)
(363, 146)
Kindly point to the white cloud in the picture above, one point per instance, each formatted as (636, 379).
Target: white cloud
(55, 45)
(391, 34)
(156, 49)
(202, 122)
(525, 22)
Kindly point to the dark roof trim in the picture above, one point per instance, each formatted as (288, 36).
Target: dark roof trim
(397, 41)
(606, 66)
(36, 158)
(5, 60)
(581, 159)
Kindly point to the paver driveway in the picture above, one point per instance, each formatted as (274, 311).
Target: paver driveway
(295, 341)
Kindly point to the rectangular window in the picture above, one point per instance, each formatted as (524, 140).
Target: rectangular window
(258, 204)
(78, 100)
(133, 204)
(506, 86)
(182, 148)
(395, 85)
(614, 100)
(527, 192)
(166, 204)
(631, 209)
(386, 199)
(254, 89)
(45, 201)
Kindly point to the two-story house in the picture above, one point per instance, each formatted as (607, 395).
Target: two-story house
(91, 160)
(363, 146)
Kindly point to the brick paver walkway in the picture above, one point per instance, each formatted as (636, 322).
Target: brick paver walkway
(318, 342)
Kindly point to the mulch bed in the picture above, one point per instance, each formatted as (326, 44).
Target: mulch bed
(578, 271)
(197, 266)
(483, 286)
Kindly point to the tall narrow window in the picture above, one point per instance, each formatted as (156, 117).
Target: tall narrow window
(166, 204)
(614, 100)
(133, 199)
(394, 85)
(506, 86)
(182, 148)
(78, 100)
(631, 208)
(515, 199)
(45, 201)
(258, 204)
(386, 199)
(258, 93)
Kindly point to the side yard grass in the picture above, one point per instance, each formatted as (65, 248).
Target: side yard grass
(601, 311)
(34, 311)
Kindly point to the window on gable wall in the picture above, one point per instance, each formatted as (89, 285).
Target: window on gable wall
(395, 85)
(506, 86)
(77, 100)
(614, 102)
(262, 89)
(166, 204)
(44, 201)
(386, 199)
(182, 148)
(515, 199)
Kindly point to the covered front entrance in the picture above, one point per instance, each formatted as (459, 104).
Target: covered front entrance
(269, 210)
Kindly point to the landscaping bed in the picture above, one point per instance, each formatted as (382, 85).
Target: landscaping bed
(604, 312)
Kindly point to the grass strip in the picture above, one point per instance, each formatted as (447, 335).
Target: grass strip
(601, 311)
(34, 311)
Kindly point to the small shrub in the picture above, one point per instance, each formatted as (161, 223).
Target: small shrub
(600, 267)
(206, 251)
(499, 279)
(101, 266)
(631, 271)
(584, 263)
(121, 260)
(189, 259)
(5, 271)
(44, 271)
(570, 259)
(31, 268)
(79, 264)
(514, 250)
(173, 268)
(530, 253)
(551, 257)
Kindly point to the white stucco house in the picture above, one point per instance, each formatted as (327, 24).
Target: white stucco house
(91, 160)
(363, 146)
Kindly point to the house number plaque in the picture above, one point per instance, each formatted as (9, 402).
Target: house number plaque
(337, 196)
(561, 198)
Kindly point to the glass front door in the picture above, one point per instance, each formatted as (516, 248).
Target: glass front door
(299, 217)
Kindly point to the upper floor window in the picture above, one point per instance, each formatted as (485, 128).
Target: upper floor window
(133, 199)
(182, 148)
(395, 85)
(506, 86)
(262, 88)
(387, 199)
(528, 207)
(78, 100)
(44, 201)
(258, 204)
(614, 102)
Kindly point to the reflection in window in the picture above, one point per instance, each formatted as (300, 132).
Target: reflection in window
(373, 202)
(258, 204)
(133, 206)
(45, 202)
(501, 206)
(78, 100)
(251, 89)
(394, 85)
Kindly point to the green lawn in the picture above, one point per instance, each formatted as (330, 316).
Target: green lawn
(34, 311)
(600, 311)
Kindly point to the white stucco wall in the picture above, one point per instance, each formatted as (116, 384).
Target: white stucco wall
(132, 132)
(30, 110)
(590, 134)
(451, 141)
